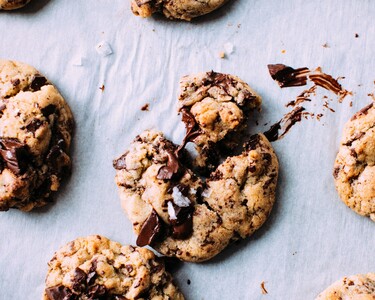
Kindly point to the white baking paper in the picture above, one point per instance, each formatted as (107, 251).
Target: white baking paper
(310, 240)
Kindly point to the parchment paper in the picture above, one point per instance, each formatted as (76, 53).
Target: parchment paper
(311, 238)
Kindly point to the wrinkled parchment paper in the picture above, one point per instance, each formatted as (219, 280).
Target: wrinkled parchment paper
(311, 238)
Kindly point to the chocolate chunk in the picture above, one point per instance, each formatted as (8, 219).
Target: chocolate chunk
(97, 291)
(37, 82)
(15, 82)
(150, 230)
(79, 280)
(171, 169)
(182, 227)
(336, 172)
(34, 125)
(192, 128)
(363, 111)
(15, 155)
(272, 134)
(59, 292)
(92, 273)
(120, 163)
(287, 76)
(253, 142)
(48, 110)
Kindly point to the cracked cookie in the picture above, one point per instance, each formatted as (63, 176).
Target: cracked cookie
(12, 4)
(35, 134)
(179, 214)
(98, 268)
(214, 108)
(354, 169)
(177, 9)
(357, 287)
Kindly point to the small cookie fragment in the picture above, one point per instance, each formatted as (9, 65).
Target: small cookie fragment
(180, 215)
(214, 108)
(354, 169)
(98, 268)
(36, 125)
(356, 287)
(12, 4)
(172, 9)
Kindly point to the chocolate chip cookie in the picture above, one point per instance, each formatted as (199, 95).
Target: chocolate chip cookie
(215, 109)
(354, 169)
(97, 268)
(181, 215)
(180, 9)
(12, 4)
(357, 287)
(35, 134)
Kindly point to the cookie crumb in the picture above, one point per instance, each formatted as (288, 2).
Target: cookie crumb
(372, 96)
(263, 288)
(222, 54)
(104, 49)
(188, 282)
(283, 51)
(145, 107)
(102, 88)
(356, 35)
(325, 45)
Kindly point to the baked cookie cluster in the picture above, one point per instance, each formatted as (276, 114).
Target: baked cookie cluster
(172, 9)
(36, 126)
(175, 210)
(95, 267)
(12, 4)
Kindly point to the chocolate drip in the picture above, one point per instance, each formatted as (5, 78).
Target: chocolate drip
(285, 124)
(150, 230)
(172, 169)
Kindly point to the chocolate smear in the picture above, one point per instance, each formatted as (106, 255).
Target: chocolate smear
(59, 292)
(285, 124)
(171, 169)
(15, 155)
(192, 129)
(37, 82)
(287, 76)
(150, 230)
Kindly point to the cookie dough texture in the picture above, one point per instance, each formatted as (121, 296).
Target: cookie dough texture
(354, 169)
(35, 134)
(185, 217)
(175, 9)
(216, 107)
(97, 268)
(12, 4)
(357, 287)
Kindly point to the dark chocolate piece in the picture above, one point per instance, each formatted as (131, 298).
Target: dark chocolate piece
(34, 125)
(287, 76)
(150, 230)
(120, 163)
(171, 169)
(14, 154)
(327, 82)
(97, 292)
(37, 82)
(48, 110)
(192, 128)
(182, 227)
(79, 280)
(59, 292)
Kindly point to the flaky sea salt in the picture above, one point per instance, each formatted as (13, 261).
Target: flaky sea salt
(171, 211)
(206, 193)
(104, 48)
(229, 48)
(180, 199)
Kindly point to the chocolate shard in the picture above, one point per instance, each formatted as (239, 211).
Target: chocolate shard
(59, 292)
(48, 110)
(120, 163)
(34, 125)
(15, 155)
(272, 134)
(363, 111)
(92, 273)
(172, 168)
(182, 227)
(150, 230)
(287, 76)
(37, 82)
(79, 280)
(192, 128)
